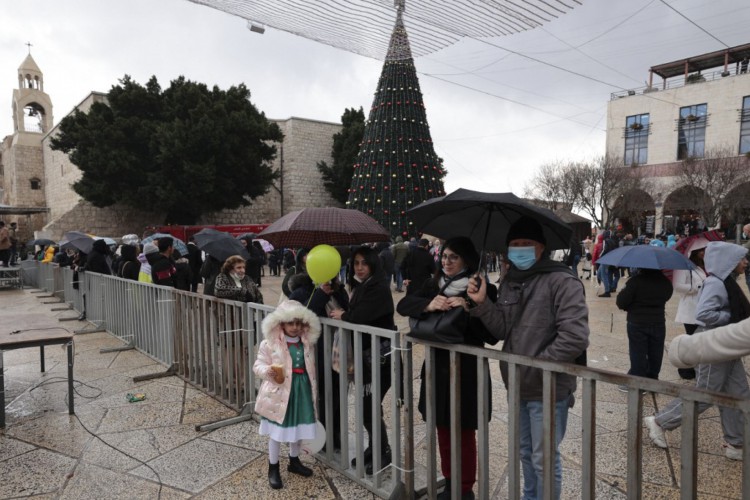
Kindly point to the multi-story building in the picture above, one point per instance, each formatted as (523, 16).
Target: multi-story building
(700, 108)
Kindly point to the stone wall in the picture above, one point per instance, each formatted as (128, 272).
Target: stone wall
(306, 142)
(114, 221)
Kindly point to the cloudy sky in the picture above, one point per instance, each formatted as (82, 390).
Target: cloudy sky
(497, 108)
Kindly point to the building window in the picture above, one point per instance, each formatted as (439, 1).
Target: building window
(636, 139)
(36, 184)
(745, 126)
(691, 132)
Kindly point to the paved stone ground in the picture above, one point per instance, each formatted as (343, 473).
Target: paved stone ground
(46, 453)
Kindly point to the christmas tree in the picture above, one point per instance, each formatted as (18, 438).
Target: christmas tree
(396, 168)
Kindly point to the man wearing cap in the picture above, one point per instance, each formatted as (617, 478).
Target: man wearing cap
(540, 312)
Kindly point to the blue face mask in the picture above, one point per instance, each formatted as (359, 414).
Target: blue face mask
(522, 257)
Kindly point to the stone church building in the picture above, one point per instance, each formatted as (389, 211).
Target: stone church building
(36, 182)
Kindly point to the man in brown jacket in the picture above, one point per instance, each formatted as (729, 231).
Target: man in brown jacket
(4, 245)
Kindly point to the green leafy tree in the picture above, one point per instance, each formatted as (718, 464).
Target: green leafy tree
(183, 151)
(337, 178)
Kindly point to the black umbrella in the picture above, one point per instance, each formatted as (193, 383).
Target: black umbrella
(42, 242)
(485, 218)
(80, 241)
(219, 245)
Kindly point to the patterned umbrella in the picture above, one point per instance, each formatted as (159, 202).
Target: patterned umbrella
(332, 226)
(687, 245)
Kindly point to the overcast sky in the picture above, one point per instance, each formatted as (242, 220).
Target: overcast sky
(495, 116)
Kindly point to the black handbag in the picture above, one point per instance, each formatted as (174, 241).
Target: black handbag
(448, 326)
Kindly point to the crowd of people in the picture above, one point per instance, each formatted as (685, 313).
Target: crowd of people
(536, 308)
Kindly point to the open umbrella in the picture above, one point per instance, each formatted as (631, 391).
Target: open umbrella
(328, 225)
(700, 240)
(178, 244)
(646, 257)
(79, 240)
(267, 247)
(219, 245)
(42, 242)
(485, 218)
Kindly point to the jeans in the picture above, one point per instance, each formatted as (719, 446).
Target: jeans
(532, 434)
(614, 277)
(399, 278)
(602, 273)
(646, 346)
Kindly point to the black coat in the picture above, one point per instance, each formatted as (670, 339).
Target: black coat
(645, 296)
(418, 267)
(413, 305)
(195, 261)
(96, 261)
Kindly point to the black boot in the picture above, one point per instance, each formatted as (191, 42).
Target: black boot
(368, 457)
(296, 467)
(446, 493)
(385, 459)
(274, 478)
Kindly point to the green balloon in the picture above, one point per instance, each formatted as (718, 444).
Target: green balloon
(323, 263)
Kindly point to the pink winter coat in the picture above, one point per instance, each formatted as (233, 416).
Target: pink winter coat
(273, 398)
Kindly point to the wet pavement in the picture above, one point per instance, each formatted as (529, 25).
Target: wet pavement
(112, 448)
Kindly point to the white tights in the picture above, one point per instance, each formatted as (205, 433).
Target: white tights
(274, 448)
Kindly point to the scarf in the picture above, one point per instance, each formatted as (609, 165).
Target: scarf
(739, 306)
(455, 286)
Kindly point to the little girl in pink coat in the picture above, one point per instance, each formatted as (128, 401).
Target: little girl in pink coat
(286, 401)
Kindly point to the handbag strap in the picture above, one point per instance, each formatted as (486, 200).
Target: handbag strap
(448, 281)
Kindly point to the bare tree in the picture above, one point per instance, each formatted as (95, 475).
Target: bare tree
(715, 175)
(552, 186)
(598, 184)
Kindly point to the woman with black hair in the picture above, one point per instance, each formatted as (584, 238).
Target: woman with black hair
(447, 289)
(371, 304)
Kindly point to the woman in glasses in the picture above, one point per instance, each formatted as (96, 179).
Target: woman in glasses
(371, 304)
(459, 261)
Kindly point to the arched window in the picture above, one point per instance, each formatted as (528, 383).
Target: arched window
(36, 184)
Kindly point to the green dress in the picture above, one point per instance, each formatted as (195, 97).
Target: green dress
(299, 421)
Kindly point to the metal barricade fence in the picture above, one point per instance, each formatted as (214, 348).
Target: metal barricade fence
(30, 273)
(211, 343)
(589, 378)
(71, 286)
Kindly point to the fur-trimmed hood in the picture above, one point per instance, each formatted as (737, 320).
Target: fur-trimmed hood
(287, 311)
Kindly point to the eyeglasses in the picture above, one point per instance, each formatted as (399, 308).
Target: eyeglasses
(296, 322)
(450, 257)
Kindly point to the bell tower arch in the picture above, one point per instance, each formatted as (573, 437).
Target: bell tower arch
(32, 107)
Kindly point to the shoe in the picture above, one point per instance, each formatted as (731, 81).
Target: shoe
(368, 458)
(731, 452)
(274, 478)
(399, 290)
(82, 317)
(296, 467)
(385, 459)
(605, 294)
(655, 432)
(446, 493)
(686, 373)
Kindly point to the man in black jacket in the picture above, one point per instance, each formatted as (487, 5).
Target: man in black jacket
(644, 297)
(162, 268)
(195, 261)
(97, 259)
(418, 267)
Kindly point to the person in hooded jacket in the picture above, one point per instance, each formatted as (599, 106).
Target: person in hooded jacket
(459, 260)
(688, 283)
(371, 304)
(320, 300)
(98, 259)
(144, 274)
(183, 276)
(721, 302)
(209, 271)
(195, 260)
(129, 265)
(299, 267)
